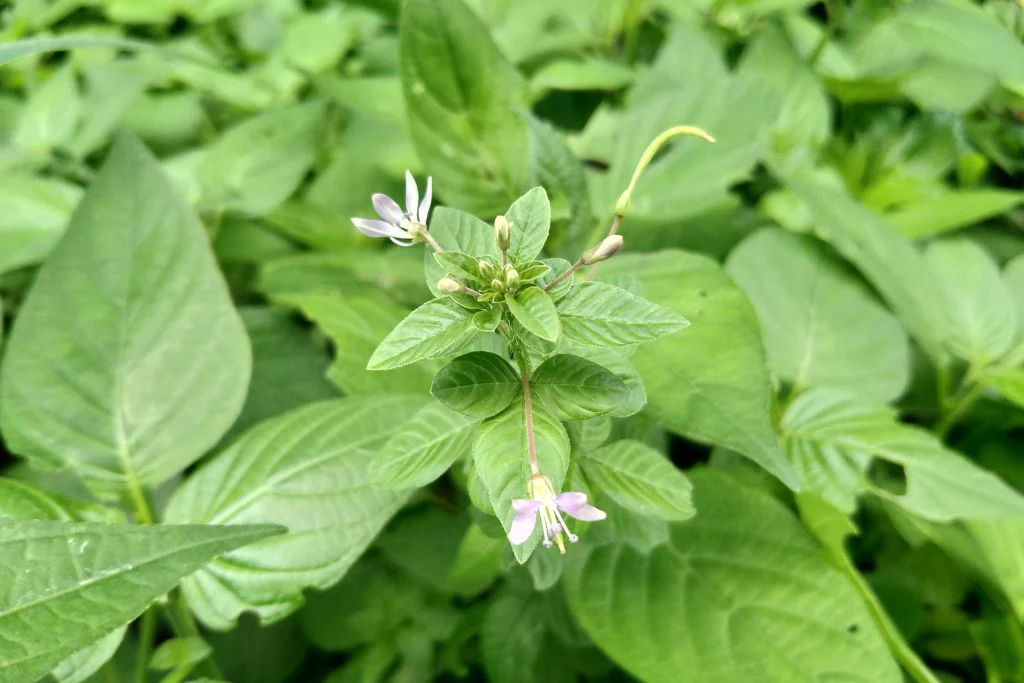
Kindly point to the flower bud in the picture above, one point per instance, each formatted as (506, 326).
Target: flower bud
(449, 286)
(497, 285)
(486, 269)
(502, 231)
(608, 247)
(511, 278)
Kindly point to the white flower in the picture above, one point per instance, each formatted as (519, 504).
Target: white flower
(401, 227)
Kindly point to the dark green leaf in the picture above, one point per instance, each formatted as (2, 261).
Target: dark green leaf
(477, 384)
(574, 388)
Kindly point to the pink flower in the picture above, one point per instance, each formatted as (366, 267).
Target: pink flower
(544, 505)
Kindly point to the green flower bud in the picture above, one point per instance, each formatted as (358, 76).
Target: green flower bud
(511, 278)
(449, 286)
(497, 285)
(609, 245)
(502, 231)
(486, 269)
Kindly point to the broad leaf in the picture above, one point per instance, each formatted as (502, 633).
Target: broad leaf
(36, 211)
(423, 449)
(821, 327)
(463, 101)
(741, 593)
(887, 259)
(529, 220)
(535, 310)
(600, 314)
(356, 325)
(982, 318)
(710, 383)
(574, 388)
(97, 577)
(128, 360)
(640, 479)
(307, 470)
(512, 638)
(258, 164)
(502, 462)
(478, 384)
(831, 438)
(951, 211)
(428, 332)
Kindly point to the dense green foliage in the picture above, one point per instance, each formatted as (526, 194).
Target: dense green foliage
(243, 442)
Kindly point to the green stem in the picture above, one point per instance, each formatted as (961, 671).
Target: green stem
(147, 634)
(184, 626)
(576, 266)
(524, 373)
(960, 406)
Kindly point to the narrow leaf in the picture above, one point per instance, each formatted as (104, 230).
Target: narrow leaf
(529, 220)
(535, 310)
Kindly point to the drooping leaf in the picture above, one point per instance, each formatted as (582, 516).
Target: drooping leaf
(600, 314)
(463, 101)
(640, 479)
(740, 593)
(92, 578)
(709, 383)
(423, 448)
(127, 360)
(500, 454)
(820, 326)
(831, 438)
(982, 320)
(529, 220)
(534, 309)
(574, 388)
(478, 384)
(307, 470)
(431, 331)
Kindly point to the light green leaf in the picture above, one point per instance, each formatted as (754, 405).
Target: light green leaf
(179, 652)
(600, 314)
(821, 327)
(458, 231)
(423, 449)
(711, 383)
(98, 577)
(428, 332)
(587, 74)
(356, 324)
(574, 388)
(256, 165)
(535, 310)
(127, 360)
(982, 320)
(16, 49)
(741, 593)
(888, 260)
(1007, 381)
(464, 104)
(640, 479)
(1013, 278)
(951, 211)
(502, 463)
(529, 220)
(51, 114)
(83, 664)
(457, 264)
(36, 211)
(832, 438)
(477, 563)
(307, 470)
(478, 384)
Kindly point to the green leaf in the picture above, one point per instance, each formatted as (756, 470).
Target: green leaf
(887, 259)
(741, 593)
(529, 220)
(127, 360)
(478, 384)
(574, 388)
(50, 116)
(588, 74)
(464, 104)
(179, 652)
(458, 231)
(256, 165)
(1013, 278)
(83, 664)
(502, 463)
(36, 211)
(600, 314)
(558, 267)
(458, 264)
(477, 563)
(711, 383)
(821, 327)
(951, 211)
(511, 638)
(832, 438)
(355, 325)
(423, 449)
(16, 49)
(535, 310)
(982, 319)
(428, 332)
(307, 470)
(98, 577)
(640, 479)
(1007, 381)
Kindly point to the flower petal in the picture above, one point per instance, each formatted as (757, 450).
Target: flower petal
(388, 209)
(425, 204)
(525, 520)
(412, 195)
(375, 228)
(402, 243)
(574, 504)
